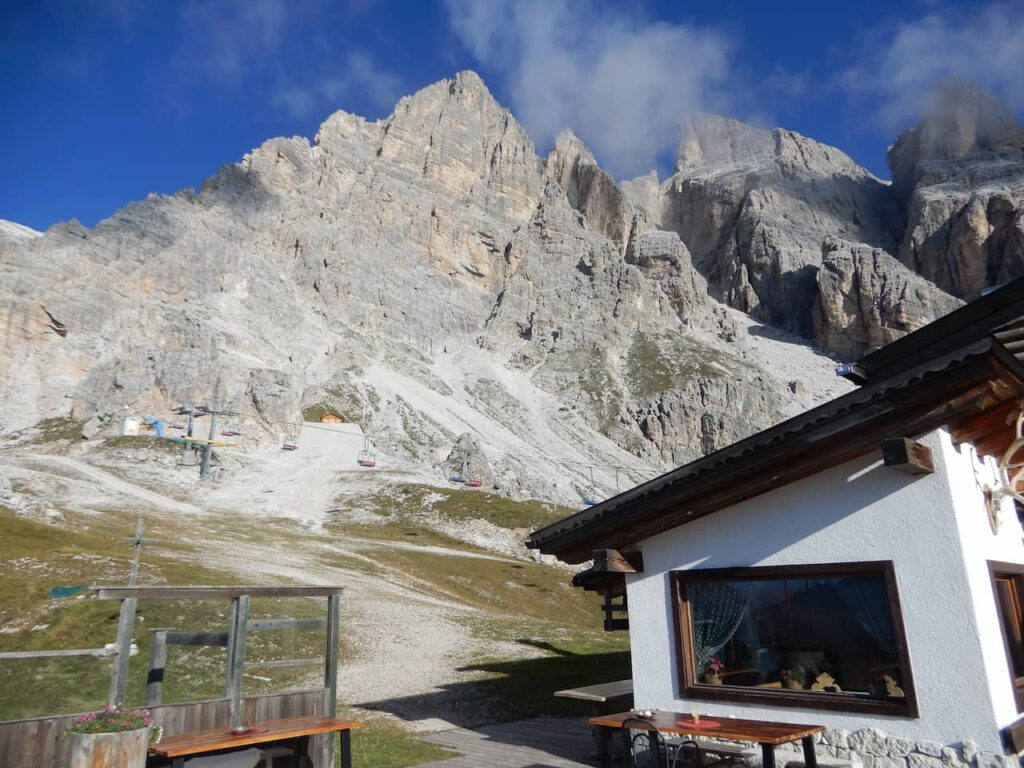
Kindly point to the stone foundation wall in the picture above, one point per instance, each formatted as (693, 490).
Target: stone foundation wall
(873, 748)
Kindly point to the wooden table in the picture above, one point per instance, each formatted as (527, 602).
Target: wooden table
(767, 734)
(294, 731)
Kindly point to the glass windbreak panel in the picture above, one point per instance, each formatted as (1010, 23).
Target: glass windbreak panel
(37, 687)
(287, 639)
(34, 684)
(1009, 606)
(828, 635)
(182, 650)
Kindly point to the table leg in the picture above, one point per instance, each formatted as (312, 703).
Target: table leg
(604, 747)
(597, 709)
(346, 748)
(767, 756)
(810, 759)
(302, 750)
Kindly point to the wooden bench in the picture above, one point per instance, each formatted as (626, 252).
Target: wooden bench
(292, 731)
(601, 695)
(603, 698)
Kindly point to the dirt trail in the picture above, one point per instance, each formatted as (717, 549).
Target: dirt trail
(411, 642)
(116, 484)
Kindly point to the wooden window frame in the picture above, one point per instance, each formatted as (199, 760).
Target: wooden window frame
(691, 688)
(1015, 573)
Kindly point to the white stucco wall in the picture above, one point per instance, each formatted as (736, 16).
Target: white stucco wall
(858, 511)
(968, 476)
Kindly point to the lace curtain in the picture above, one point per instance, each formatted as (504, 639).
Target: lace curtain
(716, 610)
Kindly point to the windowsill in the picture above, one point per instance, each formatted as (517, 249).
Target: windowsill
(845, 701)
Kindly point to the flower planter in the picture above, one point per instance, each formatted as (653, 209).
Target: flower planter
(712, 678)
(125, 749)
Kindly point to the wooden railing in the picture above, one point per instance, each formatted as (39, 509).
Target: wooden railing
(35, 743)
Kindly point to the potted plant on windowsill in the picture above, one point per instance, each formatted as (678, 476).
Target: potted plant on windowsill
(113, 738)
(714, 674)
(791, 681)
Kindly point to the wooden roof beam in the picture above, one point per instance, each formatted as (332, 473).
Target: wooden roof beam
(968, 429)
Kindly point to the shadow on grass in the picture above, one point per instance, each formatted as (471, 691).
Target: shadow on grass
(513, 690)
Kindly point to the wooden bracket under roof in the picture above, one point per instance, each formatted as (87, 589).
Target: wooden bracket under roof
(908, 456)
(613, 561)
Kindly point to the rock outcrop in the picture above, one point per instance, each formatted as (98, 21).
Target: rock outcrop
(960, 177)
(590, 190)
(867, 299)
(753, 207)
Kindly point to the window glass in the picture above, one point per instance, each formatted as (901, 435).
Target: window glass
(831, 634)
(1008, 595)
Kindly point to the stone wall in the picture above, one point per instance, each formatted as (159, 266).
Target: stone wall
(873, 748)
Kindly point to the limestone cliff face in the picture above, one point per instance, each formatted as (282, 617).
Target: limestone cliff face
(431, 273)
(590, 190)
(753, 207)
(428, 271)
(960, 177)
(867, 299)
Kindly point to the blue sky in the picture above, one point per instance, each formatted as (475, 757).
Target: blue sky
(106, 101)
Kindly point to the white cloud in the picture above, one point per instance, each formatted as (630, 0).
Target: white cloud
(357, 73)
(621, 83)
(282, 46)
(226, 40)
(982, 44)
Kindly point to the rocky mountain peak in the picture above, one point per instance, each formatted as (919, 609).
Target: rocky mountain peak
(959, 176)
(961, 121)
(712, 140)
(568, 152)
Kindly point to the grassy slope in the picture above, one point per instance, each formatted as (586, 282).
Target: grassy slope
(522, 601)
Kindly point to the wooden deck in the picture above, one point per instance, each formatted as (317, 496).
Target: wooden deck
(544, 742)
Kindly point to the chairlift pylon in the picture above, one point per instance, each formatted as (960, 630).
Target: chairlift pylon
(589, 498)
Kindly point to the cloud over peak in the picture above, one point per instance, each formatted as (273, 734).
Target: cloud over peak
(621, 83)
(982, 44)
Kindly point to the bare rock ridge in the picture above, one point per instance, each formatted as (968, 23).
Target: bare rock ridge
(753, 207)
(429, 272)
(867, 299)
(960, 178)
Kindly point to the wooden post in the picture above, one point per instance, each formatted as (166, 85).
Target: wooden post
(331, 655)
(126, 626)
(157, 663)
(119, 676)
(331, 670)
(236, 656)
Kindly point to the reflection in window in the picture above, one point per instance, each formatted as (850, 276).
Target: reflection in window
(1009, 587)
(827, 634)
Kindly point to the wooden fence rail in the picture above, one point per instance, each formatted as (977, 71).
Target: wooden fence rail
(35, 743)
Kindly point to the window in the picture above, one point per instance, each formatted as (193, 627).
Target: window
(1008, 583)
(825, 636)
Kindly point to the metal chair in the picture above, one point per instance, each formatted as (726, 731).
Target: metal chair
(644, 745)
(687, 754)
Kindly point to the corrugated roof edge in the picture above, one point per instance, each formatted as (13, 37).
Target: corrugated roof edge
(972, 321)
